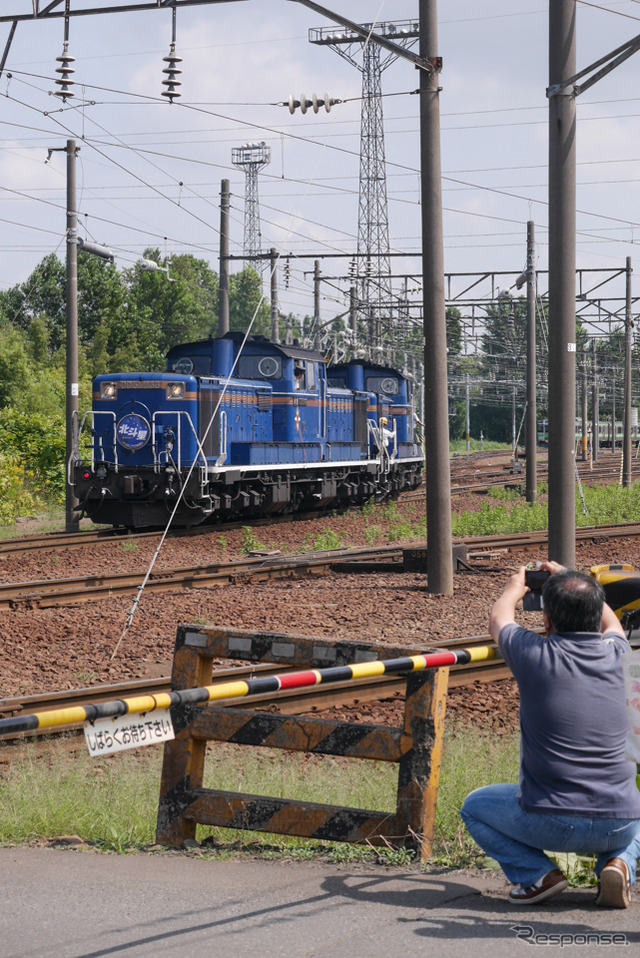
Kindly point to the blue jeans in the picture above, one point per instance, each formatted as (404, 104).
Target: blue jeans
(516, 839)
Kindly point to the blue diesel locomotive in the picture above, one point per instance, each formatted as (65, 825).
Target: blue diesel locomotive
(233, 431)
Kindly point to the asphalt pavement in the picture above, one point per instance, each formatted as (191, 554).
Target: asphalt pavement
(72, 903)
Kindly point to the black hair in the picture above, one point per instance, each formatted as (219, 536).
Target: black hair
(573, 601)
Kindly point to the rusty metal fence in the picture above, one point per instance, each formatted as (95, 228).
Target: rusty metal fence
(415, 747)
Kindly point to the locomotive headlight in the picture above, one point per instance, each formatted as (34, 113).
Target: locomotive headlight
(175, 391)
(108, 390)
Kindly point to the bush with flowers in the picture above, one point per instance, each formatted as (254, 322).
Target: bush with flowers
(32, 454)
(16, 498)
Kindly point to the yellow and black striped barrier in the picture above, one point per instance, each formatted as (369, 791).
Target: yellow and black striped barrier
(415, 746)
(78, 715)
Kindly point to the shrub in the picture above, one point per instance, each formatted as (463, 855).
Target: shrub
(37, 443)
(15, 497)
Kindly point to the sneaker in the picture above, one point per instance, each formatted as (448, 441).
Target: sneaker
(614, 887)
(546, 887)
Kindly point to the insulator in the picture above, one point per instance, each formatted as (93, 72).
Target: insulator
(65, 70)
(172, 83)
(315, 103)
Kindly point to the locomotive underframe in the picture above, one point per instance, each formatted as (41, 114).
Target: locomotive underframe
(146, 496)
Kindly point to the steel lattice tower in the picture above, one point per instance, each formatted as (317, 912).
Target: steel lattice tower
(252, 157)
(373, 273)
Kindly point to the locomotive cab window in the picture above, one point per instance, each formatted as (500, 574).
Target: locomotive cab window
(198, 365)
(311, 375)
(183, 365)
(388, 385)
(260, 367)
(299, 378)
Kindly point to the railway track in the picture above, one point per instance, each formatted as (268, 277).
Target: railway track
(292, 702)
(465, 477)
(70, 540)
(608, 467)
(50, 593)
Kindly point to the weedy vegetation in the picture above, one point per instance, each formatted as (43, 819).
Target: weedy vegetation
(111, 802)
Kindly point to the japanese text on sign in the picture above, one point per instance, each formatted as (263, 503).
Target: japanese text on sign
(128, 731)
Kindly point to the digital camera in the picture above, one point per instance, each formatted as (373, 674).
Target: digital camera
(534, 579)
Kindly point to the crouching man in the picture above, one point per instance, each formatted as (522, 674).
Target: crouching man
(577, 792)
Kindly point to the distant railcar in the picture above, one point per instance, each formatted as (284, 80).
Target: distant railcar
(604, 432)
(242, 429)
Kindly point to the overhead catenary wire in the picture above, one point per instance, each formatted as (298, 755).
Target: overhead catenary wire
(474, 186)
(222, 393)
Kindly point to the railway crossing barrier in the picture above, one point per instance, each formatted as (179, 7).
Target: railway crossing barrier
(416, 746)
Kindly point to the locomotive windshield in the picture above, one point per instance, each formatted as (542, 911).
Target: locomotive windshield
(260, 367)
(198, 365)
(383, 384)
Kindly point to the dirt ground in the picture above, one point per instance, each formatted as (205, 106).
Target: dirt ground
(43, 650)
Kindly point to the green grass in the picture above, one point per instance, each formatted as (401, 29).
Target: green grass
(111, 802)
(323, 541)
(605, 504)
(249, 542)
(460, 446)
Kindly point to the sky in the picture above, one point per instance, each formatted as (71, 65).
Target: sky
(149, 171)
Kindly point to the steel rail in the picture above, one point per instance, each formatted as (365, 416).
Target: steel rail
(69, 540)
(288, 701)
(65, 540)
(50, 593)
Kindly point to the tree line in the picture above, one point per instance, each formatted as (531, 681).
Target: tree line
(127, 321)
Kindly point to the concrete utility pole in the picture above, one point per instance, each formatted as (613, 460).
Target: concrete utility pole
(583, 404)
(439, 551)
(626, 419)
(316, 305)
(614, 435)
(562, 262)
(595, 406)
(273, 272)
(562, 92)
(223, 285)
(72, 519)
(530, 421)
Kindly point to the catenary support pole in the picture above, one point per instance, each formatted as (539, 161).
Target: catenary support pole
(72, 520)
(562, 321)
(439, 551)
(613, 411)
(595, 405)
(583, 404)
(273, 272)
(223, 288)
(531, 414)
(626, 419)
(316, 305)
(353, 314)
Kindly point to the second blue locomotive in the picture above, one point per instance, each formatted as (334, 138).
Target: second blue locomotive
(237, 428)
